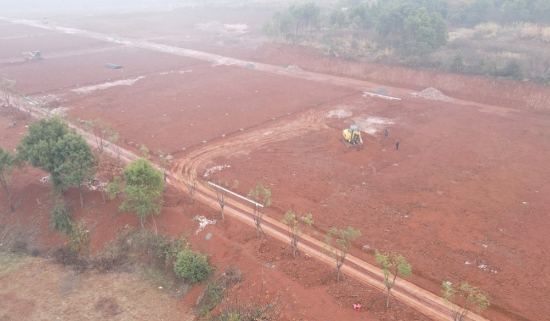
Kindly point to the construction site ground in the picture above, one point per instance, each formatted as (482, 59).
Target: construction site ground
(463, 199)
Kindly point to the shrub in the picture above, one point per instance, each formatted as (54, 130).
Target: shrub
(79, 242)
(192, 266)
(61, 217)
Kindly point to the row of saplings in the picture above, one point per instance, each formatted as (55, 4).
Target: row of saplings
(54, 147)
(462, 299)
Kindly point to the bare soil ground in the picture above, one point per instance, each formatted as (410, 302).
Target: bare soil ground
(35, 289)
(464, 198)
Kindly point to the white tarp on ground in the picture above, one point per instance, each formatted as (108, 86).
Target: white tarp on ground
(371, 125)
(89, 89)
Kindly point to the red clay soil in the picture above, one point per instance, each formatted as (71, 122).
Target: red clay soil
(464, 198)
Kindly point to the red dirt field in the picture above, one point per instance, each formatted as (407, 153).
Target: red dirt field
(463, 199)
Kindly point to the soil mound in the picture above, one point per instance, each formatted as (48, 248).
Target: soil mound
(433, 94)
(293, 69)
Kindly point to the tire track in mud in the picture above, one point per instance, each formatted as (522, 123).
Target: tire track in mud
(423, 301)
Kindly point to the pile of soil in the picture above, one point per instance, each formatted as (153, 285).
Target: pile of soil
(433, 94)
(293, 69)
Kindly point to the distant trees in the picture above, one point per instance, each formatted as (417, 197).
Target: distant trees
(415, 29)
(143, 189)
(463, 299)
(298, 20)
(338, 243)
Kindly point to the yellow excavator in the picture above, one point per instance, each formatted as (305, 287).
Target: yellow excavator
(351, 137)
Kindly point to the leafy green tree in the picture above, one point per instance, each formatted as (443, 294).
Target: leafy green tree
(76, 162)
(114, 188)
(261, 195)
(9, 163)
(38, 147)
(51, 146)
(395, 264)
(390, 22)
(143, 189)
(61, 219)
(6, 89)
(294, 227)
(192, 266)
(413, 28)
(463, 299)
(338, 243)
(425, 31)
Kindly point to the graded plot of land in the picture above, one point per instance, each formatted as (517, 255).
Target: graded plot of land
(58, 75)
(181, 108)
(9, 31)
(191, 21)
(47, 44)
(464, 198)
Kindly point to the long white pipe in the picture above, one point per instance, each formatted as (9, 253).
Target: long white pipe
(235, 194)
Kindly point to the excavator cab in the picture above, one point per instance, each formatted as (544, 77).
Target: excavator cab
(351, 137)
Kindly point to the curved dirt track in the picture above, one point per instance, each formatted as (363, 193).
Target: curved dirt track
(425, 302)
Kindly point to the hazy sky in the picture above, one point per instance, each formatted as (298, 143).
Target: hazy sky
(65, 5)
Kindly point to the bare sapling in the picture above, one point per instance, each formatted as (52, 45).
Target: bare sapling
(191, 183)
(463, 299)
(262, 196)
(6, 90)
(222, 193)
(393, 265)
(337, 243)
(294, 226)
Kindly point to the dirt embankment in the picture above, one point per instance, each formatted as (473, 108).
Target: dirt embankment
(504, 93)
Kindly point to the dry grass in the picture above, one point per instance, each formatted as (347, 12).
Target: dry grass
(487, 30)
(523, 30)
(528, 30)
